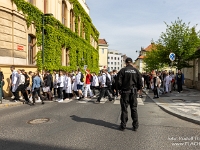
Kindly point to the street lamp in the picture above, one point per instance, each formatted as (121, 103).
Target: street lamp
(43, 37)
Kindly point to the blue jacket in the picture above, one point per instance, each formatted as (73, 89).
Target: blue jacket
(36, 82)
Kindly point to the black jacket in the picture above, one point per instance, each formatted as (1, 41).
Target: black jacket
(1, 76)
(128, 78)
(48, 80)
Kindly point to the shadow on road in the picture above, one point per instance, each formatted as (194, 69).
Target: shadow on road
(95, 122)
(7, 144)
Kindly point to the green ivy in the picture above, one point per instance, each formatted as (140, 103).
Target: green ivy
(57, 36)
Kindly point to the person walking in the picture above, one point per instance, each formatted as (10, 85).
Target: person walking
(68, 86)
(103, 87)
(180, 81)
(2, 82)
(36, 87)
(129, 82)
(61, 80)
(95, 84)
(88, 80)
(80, 81)
(155, 84)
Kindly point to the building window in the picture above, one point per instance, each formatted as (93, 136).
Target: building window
(31, 52)
(83, 31)
(111, 68)
(118, 58)
(108, 62)
(115, 67)
(118, 68)
(108, 57)
(115, 58)
(71, 20)
(67, 57)
(115, 63)
(111, 63)
(118, 63)
(64, 13)
(102, 50)
(112, 58)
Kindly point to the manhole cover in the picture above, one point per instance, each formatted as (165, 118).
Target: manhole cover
(38, 121)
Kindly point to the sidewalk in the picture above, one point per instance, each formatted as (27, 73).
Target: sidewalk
(185, 105)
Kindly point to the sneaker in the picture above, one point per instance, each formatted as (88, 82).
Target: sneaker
(38, 101)
(61, 100)
(12, 97)
(16, 101)
(94, 96)
(66, 99)
(21, 98)
(77, 98)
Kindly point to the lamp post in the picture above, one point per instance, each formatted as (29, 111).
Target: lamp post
(43, 37)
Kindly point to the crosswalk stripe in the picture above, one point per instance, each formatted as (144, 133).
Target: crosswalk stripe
(140, 101)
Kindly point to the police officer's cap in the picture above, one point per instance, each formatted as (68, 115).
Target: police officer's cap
(128, 60)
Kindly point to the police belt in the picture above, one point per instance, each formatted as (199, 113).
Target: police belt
(133, 91)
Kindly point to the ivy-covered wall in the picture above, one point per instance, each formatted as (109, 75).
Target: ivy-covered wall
(57, 36)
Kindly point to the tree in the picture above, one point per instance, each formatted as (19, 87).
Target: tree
(180, 39)
(152, 60)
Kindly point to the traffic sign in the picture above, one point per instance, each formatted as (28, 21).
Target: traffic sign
(172, 56)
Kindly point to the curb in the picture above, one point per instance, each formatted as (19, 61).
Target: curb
(171, 112)
(10, 105)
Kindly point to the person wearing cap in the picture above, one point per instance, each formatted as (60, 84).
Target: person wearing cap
(129, 82)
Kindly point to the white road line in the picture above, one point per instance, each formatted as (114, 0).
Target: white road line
(140, 101)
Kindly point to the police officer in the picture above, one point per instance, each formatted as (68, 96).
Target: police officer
(129, 82)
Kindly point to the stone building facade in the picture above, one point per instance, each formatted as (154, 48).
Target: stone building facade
(18, 42)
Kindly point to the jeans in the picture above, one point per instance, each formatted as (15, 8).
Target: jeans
(36, 91)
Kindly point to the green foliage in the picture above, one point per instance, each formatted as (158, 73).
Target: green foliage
(58, 37)
(180, 39)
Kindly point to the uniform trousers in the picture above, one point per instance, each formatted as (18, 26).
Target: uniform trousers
(129, 99)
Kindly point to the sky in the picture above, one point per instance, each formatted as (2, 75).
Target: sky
(128, 25)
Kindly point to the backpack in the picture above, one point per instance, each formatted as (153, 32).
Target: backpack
(82, 76)
(91, 78)
(108, 82)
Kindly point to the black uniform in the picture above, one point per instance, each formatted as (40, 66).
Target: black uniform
(129, 81)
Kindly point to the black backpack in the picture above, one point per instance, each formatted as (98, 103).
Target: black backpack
(108, 82)
(82, 76)
(91, 78)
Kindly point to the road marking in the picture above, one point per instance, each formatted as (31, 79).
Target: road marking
(140, 101)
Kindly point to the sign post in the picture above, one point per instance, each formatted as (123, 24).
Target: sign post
(172, 57)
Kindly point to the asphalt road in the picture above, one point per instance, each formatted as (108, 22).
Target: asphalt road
(89, 126)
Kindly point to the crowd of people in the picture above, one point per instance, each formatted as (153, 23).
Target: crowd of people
(62, 86)
(163, 82)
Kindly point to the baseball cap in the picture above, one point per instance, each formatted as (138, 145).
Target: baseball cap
(128, 60)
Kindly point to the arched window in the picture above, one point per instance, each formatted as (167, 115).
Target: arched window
(72, 20)
(64, 13)
(31, 49)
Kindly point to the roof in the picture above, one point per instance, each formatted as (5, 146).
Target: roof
(141, 57)
(102, 41)
(150, 47)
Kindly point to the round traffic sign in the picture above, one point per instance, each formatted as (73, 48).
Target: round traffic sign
(172, 56)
